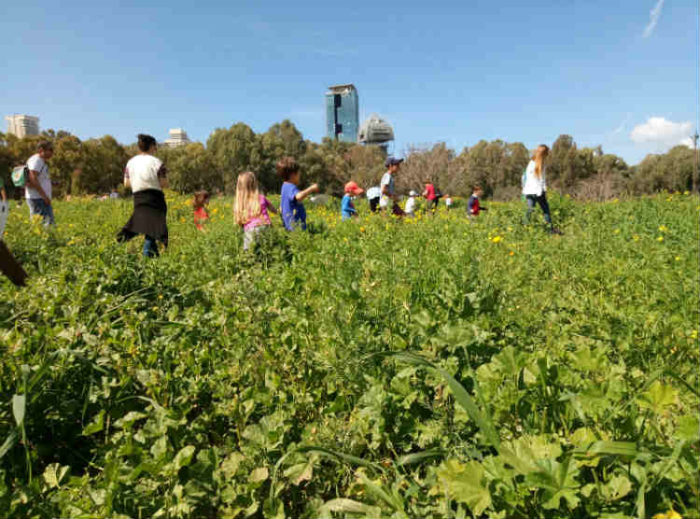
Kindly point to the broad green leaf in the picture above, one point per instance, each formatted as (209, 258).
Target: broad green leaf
(19, 407)
(558, 480)
(258, 475)
(54, 474)
(688, 428)
(658, 397)
(230, 465)
(96, 425)
(523, 453)
(129, 418)
(583, 437)
(464, 484)
(617, 488)
(345, 506)
(273, 508)
(184, 457)
(300, 472)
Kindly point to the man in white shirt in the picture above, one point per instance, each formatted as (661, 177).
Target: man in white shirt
(388, 186)
(38, 188)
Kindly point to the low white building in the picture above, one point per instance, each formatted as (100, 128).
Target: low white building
(22, 125)
(178, 137)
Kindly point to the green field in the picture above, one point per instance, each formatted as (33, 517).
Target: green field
(374, 368)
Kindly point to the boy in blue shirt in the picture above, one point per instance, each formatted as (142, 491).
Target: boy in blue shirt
(347, 208)
(291, 209)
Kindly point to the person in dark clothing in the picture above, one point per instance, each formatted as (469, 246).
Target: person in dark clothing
(146, 176)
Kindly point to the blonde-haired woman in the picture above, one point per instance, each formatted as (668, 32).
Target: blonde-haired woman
(535, 185)
(250, 208)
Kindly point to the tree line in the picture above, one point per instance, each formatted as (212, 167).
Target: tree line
(95, 166)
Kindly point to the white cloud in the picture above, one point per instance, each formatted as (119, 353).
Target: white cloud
(688, 141)
(654, 16)
(662, 133)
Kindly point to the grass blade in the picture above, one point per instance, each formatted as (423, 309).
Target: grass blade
(462, 396)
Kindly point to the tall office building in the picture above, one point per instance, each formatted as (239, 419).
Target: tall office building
(22, 125)
(178, 137)
(342, 113)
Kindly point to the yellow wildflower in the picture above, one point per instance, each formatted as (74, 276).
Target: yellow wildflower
(496, 239)
(660, 239)
(671, 514)
(663, 228)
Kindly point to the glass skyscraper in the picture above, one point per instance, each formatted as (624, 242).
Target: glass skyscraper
(342, 113)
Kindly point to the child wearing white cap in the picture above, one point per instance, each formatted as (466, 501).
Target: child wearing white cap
(411, 204)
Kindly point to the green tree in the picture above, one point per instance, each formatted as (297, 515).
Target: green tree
(672, 171)
(233, 151)
(281, 139)
(102, 167)
(68, 158)
(191, 168)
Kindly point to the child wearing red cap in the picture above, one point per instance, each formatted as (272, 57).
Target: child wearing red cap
(347, 208)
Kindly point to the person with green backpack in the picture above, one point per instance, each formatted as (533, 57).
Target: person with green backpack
(35, 179)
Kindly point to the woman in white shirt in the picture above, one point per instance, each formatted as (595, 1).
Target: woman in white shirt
(535, 185)
(146, 176)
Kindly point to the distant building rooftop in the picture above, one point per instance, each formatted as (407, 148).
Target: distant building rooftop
(339, 89)
(178, 137)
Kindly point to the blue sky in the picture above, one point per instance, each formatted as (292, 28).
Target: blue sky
(617, 73)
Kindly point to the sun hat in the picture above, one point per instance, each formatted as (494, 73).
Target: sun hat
(353, 189)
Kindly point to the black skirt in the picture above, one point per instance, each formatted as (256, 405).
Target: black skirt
(149, 217)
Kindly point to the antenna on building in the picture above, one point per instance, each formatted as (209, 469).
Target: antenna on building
(695, 161)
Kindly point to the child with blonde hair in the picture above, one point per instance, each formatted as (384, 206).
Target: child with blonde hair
(535, 186)
(250, 208)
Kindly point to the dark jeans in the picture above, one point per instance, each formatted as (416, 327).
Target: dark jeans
(150, 248)
(373, 203)
(540, 200)
(38, 206)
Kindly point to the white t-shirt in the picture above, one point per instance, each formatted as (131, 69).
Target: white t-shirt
(411, 205)
(144, 172)
(534, 185)
(374, 192)
(36, 163)
(448, 201)
(387, 180)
